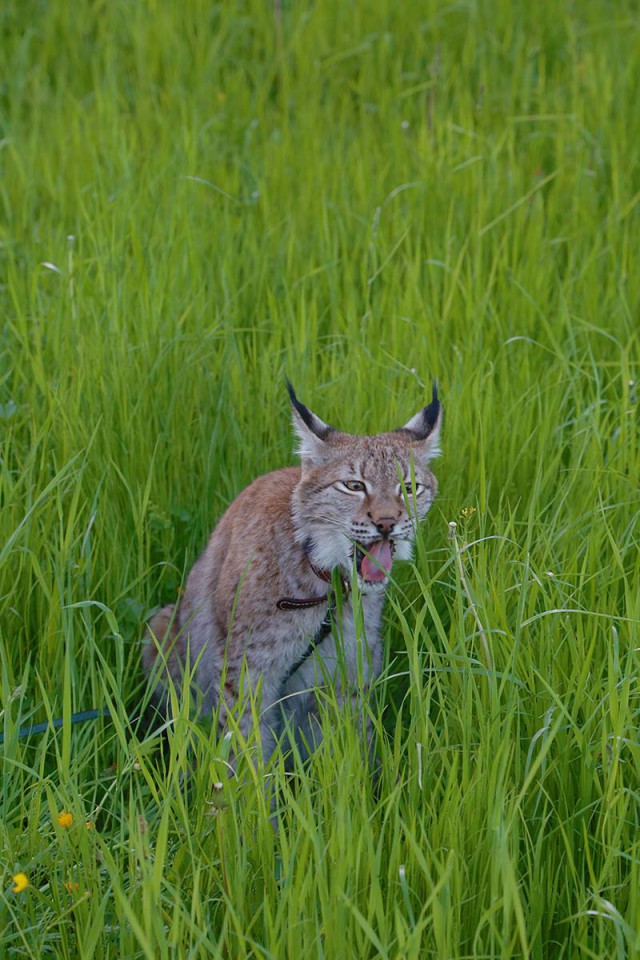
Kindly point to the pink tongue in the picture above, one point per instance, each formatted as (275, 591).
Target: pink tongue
(377, 564)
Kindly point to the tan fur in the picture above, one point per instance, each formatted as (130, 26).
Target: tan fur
(265, 548)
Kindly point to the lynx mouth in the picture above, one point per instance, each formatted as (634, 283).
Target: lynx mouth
(374, 561)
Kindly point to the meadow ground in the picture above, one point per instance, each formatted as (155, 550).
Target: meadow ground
(197, 198)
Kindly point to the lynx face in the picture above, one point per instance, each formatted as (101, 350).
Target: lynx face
(361, 497)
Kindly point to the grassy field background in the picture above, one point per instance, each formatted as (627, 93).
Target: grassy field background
(195, 199)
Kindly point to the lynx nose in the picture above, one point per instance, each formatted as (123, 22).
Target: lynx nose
(385, 525)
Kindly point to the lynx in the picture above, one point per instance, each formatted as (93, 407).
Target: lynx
(259, 599)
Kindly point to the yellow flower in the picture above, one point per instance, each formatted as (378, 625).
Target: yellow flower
(90, 825)
(20, 882)
(72, 886)
(65, 819)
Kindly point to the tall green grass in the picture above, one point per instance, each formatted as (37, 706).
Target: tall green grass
(196, 198)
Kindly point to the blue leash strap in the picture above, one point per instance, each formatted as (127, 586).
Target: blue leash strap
(36, 728)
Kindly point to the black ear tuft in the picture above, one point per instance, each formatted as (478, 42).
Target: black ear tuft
(431, 413)
(426, 423)
(304, 412)
(313, 423)
(292, 393)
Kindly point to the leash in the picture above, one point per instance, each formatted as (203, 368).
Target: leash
(36, 728)
(285, 603)
(323, 631)
(304, 603)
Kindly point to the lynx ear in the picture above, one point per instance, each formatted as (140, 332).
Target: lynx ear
(424, 428)
(310, 430)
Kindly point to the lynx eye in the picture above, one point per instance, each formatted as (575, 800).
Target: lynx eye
(356, 486)
(407, 484)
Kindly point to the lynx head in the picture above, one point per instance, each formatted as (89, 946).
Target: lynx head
(363, 496)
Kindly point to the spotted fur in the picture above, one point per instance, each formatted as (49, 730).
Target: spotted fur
(349, 494)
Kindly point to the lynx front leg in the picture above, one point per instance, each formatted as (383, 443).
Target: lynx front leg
(347, 661)
(251, 705)
(362, 645)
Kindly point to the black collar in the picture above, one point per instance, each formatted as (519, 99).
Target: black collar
(304, 603)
